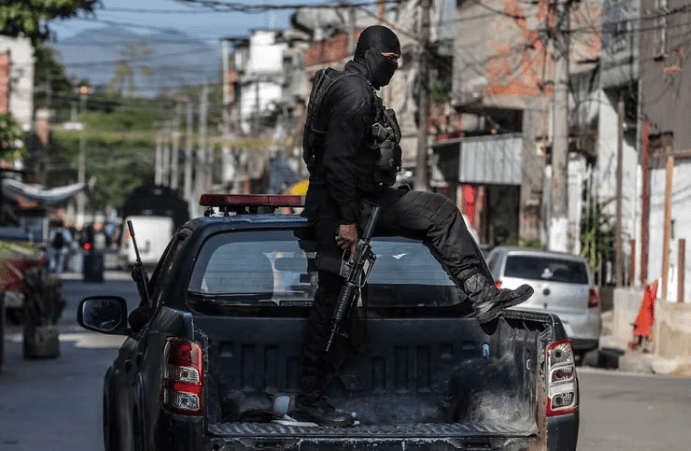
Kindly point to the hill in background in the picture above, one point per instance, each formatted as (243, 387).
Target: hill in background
(158, 62)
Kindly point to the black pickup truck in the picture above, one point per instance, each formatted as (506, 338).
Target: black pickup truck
(215, 365)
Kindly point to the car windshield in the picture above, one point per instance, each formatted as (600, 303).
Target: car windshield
(276, 267)
(546, 268)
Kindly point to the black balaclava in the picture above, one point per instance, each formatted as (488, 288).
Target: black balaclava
(372, 42)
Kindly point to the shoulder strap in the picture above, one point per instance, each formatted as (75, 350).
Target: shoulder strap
(323, 80)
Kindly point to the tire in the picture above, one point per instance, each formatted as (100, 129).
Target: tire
(2, 331)
(108, 433)
(14, 316)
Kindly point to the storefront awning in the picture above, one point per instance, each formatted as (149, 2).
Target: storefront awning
(13, 189)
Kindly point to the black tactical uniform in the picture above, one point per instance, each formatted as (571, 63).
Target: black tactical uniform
(346, 169)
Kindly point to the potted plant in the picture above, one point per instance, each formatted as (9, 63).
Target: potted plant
(43, 305)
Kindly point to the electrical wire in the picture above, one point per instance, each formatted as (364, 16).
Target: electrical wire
(237, 7)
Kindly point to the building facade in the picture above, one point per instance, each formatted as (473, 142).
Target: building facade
(503, 78)
(17, 79)
(665, 77)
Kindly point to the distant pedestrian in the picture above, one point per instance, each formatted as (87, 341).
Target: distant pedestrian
(59, 246)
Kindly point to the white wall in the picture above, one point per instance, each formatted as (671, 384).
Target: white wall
(605, 173)
(265, 56)
(257, 95)
(262, 85)
(681, 214)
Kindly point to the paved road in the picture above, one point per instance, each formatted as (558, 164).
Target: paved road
(632, 412)
(56, 404)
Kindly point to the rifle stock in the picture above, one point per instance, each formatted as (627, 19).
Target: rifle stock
(355, 278)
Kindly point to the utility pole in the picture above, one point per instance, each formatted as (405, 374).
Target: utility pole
(158, 166)
(558, 228)
(225, 148)
(174, 169)
(350, 26)
(202, 168)
(226, 88)
(645, 199)
(618, 259)
(188, 152)
(667, 231)
(421, 179)
(81, 196)
(166, 155)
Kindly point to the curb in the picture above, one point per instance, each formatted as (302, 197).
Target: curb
(633, 362)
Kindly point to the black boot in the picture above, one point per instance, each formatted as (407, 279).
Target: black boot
(312, 406)
(488, 300)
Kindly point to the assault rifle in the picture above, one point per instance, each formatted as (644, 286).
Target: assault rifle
(138, 272)
(355, 270)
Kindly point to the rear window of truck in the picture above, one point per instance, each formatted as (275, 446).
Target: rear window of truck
(276, 267)
(546, 268)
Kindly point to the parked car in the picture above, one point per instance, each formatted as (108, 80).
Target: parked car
(212, 361)
(563, 285)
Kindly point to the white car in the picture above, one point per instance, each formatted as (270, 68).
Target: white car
(563, 285)
(152, 234)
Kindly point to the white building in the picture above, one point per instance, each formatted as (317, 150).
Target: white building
(21, 102)
(261, 66)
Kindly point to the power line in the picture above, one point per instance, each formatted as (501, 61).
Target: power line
(220, 6)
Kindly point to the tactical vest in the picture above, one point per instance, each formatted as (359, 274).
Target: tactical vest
(385, 132)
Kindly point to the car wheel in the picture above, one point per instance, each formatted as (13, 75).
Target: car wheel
(108, 435)
(2, 330)
(138, 436)
(107, 445)
(14, 316)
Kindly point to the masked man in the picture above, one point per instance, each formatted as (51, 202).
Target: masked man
(352, 153)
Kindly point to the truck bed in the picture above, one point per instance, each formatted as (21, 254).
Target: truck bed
(424, 378)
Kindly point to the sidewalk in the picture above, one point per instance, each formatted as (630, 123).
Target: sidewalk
(108, 274)
(616, 354)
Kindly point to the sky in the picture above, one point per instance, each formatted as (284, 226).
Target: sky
(144, 16)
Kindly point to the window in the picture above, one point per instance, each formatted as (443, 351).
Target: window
(278, 268)
(546, 268)
(620, 36)
(660, 28)
(255, 266)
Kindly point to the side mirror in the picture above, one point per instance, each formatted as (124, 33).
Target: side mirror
(105, 314)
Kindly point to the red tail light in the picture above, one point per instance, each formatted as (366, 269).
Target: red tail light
(497, 283)
(562, 385)
(184, 377)
(593, 299)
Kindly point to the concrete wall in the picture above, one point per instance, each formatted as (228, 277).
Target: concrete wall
(627, 303)
(672, 330)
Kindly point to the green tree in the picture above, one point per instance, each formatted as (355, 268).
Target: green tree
(54, 90)
(597, 235)
(30, 17)
(119, 147)
(11, 139)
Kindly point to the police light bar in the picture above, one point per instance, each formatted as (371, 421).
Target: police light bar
(251, 200)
